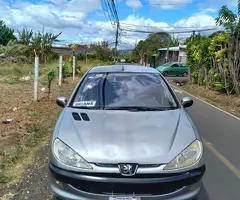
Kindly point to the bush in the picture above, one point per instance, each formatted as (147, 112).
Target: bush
(219, 87)
(66, 70)
(194, 77)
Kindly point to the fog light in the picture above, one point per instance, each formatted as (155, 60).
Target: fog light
(59, 184)
(194, 187)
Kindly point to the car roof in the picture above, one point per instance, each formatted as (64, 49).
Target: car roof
(122, 68)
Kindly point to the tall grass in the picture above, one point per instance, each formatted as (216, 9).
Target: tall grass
(19, 70)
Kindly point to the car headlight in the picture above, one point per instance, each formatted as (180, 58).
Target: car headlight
(68, 156)
(187, 157)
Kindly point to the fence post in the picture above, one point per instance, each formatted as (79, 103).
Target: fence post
(74, 66)
(60, 70)
(36, 74)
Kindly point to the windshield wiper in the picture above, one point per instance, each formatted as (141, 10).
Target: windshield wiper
(81, 107)
(139, 108)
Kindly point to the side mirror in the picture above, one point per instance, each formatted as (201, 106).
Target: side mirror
(187, 102)
(61, 101)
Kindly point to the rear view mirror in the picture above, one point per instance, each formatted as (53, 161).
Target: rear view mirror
(187, 102)
(61, 101)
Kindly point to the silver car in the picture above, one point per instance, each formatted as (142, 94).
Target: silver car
(124, 135)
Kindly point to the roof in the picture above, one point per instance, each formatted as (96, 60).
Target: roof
(68, 50)
(122, 68)
(174, 48)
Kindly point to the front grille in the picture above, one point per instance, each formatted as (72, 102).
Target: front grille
(118, 175)
(121, 189)
(116, 165)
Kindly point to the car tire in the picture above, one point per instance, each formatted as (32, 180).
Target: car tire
(185, 74)
(165, 73)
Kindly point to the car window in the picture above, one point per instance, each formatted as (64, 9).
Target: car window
(167, 64)
(109, 90)
(175, 65)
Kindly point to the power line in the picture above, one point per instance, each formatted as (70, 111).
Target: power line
(167, 4)
(148, 26)
(171, 32)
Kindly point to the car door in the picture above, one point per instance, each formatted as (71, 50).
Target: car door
(174, 69)
(183, 69)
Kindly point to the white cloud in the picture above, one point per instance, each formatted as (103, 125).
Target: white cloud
(76, 27)
(197, 21)
(169, 4)
(134, 4)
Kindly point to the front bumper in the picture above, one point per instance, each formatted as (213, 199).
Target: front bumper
(102, 186)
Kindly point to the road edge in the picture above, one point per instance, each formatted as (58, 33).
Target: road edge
(224, 111)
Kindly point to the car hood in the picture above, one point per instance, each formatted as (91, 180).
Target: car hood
(128, 137)
(160, 68)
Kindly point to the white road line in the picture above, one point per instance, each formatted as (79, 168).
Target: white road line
(207, 103)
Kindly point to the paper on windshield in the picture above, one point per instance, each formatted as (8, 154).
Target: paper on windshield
(84, 104)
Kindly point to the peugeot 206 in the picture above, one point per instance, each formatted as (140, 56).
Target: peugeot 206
(125, 135)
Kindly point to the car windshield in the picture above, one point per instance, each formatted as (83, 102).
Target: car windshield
(124, 91)
(167, 64)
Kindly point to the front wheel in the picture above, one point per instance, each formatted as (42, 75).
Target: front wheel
(185, 74)
(165, 73)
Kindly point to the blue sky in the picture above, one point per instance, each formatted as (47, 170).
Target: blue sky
(83, 21)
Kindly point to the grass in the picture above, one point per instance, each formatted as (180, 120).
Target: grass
(38, 127)
(7, 196)
(14, 70)
(16, 155)
(37, 131)
(32, 114)
(229, 103)
(8, 158)
(12, 81)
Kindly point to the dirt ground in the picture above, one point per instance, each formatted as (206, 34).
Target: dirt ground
(16, 103)
(35, 183)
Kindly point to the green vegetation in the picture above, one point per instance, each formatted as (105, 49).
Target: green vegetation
(6, 34)
(214, 60)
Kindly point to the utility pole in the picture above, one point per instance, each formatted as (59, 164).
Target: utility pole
(168, 45)
(116, 42)
(85, 53)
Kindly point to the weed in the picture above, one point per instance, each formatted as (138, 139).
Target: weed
(11, 156)
(32, 127)
(7, 196)
(43, 82)
(4, 178)
(12, 81)
(38, 132)
(32, 114)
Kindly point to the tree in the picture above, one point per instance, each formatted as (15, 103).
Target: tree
(102, 50)
(231, 23)
(6, 34)
(25, 36)
(42, 44)
(73, 47)
(153, 42)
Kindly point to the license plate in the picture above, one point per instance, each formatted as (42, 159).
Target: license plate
(124, 198)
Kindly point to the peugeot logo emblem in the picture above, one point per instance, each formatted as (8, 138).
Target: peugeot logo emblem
(128, 169)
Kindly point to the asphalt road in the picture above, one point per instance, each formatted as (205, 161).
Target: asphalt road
(221, 136)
